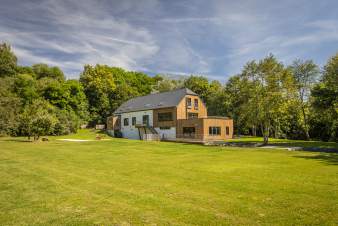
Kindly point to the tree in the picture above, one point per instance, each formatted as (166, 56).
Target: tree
(37, 119)
(25, 87)
(199, 85)
(99, 84)
(269, 85)
(164, 84)
(8, 61)
(10, 106)
(44, 71)
(107, 88)
(325, 102)
(305, 74)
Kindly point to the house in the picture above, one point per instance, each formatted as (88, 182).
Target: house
(177, 115)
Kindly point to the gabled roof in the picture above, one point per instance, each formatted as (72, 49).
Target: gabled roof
(154, 101)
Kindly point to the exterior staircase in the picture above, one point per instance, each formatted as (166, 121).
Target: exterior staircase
(147, 133)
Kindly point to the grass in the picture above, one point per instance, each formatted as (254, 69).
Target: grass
(288, 143)
(127, 182)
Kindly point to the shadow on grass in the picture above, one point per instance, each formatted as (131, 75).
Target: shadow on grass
(330, 158)
(15, 140)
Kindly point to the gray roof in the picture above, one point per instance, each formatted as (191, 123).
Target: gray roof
(154, 101)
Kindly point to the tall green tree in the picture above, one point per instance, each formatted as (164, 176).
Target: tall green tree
(325, 102)
(8, 61)
(269, 84)
(107, 88)
(305, 74)
(99, 84)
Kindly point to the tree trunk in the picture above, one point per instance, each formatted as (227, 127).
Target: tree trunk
(254, 132)
(266, 140)
(265, 132)
(306, 128)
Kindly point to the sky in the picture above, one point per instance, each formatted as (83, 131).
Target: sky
(212, 38)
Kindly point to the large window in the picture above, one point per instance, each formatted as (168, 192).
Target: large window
(145, 120)
(126, 121)
(189, 131)
(133, 121)
(227, 130)
(196, 104)
(214, 131)
(188, 102)
(167, 116)
(192, 115)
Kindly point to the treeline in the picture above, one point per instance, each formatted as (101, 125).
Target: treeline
(267, 98)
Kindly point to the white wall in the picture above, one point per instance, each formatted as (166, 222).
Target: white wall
(167, 133)
(130, 131)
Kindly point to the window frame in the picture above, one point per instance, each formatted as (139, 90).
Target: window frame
(227, 130)
(133, 121)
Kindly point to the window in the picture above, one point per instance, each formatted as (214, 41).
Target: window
(126, 121)
(196, 104)
(145, 120)
(188, 102)
(214, 131)
(162, 117)
(192, 115)
(165, 128)
(189, 131)
(133, 121)
(227, 130)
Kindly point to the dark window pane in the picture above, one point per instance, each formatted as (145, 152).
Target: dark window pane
(126, 121)
(164, 128)
(167, 116)
(145, 120)
(196, 103)
(214, 130)
(133, 121)
(188, 102)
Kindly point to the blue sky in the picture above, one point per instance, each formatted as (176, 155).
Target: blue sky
(210, 38)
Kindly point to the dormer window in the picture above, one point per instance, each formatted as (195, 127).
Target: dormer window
(188, 102)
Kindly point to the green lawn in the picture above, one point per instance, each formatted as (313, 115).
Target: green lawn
(125, 182)
(287, 142)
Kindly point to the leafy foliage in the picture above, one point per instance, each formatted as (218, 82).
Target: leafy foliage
(267, 98)
(8, 61)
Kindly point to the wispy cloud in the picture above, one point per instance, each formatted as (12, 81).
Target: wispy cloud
(213, 38)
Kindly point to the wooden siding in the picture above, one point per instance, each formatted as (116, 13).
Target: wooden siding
(182, 109)
(217, 122)
(165, 123)
(197, 123)
(202, 125)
